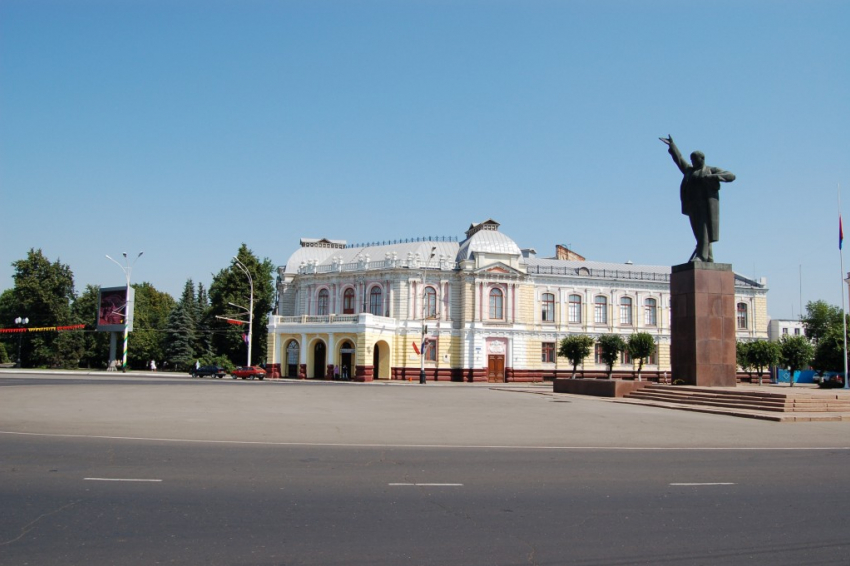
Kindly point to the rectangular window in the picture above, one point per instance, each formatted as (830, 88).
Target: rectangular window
(575, 309)
(548, 356)
(597, 354)
(548, 311)
(625, 358)
(496, 304)
(652, 360)
(600, 310)
(429, 349)
(796, 332)
(784, 331)
(625, 311)
(650, 312)
(742, 316)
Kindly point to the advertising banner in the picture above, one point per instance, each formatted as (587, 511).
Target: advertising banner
(114, 304)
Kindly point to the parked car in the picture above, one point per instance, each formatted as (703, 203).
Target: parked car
(249, 371)
(208, 371)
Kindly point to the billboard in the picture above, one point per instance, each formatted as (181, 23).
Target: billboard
(114, 304)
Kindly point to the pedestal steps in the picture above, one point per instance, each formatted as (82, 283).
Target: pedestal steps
(775, 401)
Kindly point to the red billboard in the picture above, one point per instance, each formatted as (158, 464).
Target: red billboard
(114, 305)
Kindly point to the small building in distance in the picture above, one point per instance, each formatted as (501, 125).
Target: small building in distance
(779, 327)
(479, 309)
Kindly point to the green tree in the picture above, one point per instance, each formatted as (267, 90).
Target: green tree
(7, 316)
(640, 346)
(829, 351)
(742, 353)
(203, 339)
(795, 352)
(575, 347)
(824, 327)
(182, 330)
(231, 285)
(95, 344)
(819, 319)
(150, 322)
(762, 354)
(610, 346)
(43, 292)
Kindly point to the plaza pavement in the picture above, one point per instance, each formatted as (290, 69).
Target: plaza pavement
(176, 408)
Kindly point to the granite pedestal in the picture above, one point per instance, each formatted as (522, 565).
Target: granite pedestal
(702, 326)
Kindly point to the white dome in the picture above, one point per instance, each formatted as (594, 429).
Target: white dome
(487, 241)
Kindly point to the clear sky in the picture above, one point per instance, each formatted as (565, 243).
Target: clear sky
(185, 128)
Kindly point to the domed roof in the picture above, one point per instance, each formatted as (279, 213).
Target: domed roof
(486, 238)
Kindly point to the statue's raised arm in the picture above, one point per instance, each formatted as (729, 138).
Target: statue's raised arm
(700, 196)
(675, 154)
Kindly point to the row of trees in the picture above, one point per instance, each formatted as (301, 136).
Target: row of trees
(792, 352)
(822, 347)
(174, 333)
(577, 347)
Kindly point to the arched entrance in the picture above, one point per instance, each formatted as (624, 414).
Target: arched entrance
(319, 360)
(346, 360)
(293, 352)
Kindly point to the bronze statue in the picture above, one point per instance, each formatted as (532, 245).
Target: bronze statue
(700, 195)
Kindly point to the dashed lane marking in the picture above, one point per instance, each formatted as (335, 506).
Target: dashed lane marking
(121, 479)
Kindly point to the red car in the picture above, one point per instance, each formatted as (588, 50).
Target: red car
(253, 372)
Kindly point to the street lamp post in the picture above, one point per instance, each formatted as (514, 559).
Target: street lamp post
(425, 313)
(127, 268)
(21, 322)
(251, 308)
(422, 355)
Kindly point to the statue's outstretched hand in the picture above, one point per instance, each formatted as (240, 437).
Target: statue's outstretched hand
(668, 140)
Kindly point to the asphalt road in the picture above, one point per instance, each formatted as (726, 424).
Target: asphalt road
(181, 471)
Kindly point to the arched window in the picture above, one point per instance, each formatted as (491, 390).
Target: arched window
(548, 313)
(348, 301)
(497, 304)
(742, 316)
(429, 303)
(650, 312)
(323, 302)
(600, 310)
(575, 308)
(375, 301)
(625, 311)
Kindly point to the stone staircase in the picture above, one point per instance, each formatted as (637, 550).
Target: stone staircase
(765, 402)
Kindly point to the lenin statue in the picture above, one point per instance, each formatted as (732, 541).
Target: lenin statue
(700, 195)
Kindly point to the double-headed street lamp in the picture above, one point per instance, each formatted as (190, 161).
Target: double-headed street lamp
(127, 268)
(20, 322)
(250, 309)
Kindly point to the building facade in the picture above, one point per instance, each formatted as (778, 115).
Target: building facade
(778, 327)
(481, 309)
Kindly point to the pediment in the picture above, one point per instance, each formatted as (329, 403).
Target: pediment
(499, 268)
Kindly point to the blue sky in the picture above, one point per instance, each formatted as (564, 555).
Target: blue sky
(185, 128)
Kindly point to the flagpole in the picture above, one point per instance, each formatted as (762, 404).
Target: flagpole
(843, 290)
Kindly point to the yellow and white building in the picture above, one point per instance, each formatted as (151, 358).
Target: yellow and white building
(481, 309)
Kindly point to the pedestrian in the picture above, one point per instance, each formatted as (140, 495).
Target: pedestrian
(153, 365)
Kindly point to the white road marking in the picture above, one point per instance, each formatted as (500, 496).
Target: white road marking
(120, 479)
(712, 483)
(441, 446)
(428, 484)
